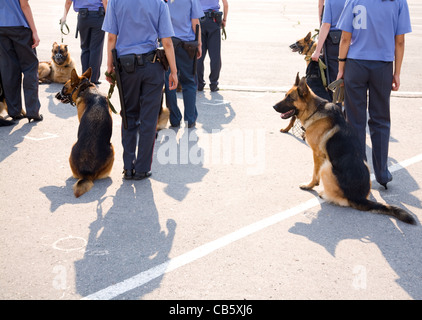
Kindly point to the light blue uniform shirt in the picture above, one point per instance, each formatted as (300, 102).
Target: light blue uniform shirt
(332, 11)
(210, 5)
(138, 24)
(182, 12)
(374, 25)
(11, 14)
(91, 5)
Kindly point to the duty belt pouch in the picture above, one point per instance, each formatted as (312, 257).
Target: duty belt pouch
(83, 12)
(218, 16)
(127, 62)
(176, 42)
(335, 36)
(162, 58)
(101, 11)
(191, 48)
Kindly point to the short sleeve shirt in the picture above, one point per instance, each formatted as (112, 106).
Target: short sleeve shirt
(138, 24)
(332, 11)
(210, 5)
(11, 14)
(182, 12)
(374, 25)
(91, 5)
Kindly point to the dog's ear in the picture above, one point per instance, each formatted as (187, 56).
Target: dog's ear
(74, 78)
(302, 88)
(88, 73)
(297, 79)
(65, 47)
(308, 36)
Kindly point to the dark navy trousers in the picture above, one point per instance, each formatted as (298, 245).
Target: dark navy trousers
(375, 77)
(17, 58)
(211, 44)
(92, 42)
(142, 94)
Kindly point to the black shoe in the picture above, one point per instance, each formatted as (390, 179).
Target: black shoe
(35, 119)
(18, 117)
(192, 125)
(141, 175)
(200, 89)
(174, 125)
(389, 179)
(128, 174)
(214, 89)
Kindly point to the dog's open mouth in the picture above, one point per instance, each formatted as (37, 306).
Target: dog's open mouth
(288, 114)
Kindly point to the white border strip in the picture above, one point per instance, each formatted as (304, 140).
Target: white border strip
(208, 248)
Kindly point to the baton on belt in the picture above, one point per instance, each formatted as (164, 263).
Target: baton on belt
(196, 52)
(119, 86)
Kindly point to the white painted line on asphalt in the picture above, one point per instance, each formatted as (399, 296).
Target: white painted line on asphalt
(208, 248)
(47, 134)
(396, 94)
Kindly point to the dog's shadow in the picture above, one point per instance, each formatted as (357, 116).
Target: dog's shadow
(398, 242)
(60, 195)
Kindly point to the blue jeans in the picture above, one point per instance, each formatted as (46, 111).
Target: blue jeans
(187, 80)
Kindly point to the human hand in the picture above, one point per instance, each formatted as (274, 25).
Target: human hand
(396, 82)
(315, 56)
(35, 40)
(173, 81)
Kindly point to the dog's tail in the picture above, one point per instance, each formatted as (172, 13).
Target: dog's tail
(396, 212)
(82, 186)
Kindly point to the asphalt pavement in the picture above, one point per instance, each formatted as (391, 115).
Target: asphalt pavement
(222, 216)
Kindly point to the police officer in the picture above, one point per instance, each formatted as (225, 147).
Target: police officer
(370, 57)
(329, 37)
(185, 16)
(18, 40)
(142, 75)
(211, 25)
(90, 20)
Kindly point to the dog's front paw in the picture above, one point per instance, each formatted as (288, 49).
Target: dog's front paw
(306, 186)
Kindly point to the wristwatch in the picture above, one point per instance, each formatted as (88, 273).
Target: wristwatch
(340, 59)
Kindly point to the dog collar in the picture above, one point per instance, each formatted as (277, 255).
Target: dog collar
(81, 88)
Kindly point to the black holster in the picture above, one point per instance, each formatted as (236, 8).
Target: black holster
(191, 47)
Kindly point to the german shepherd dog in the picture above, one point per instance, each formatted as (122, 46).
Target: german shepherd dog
(164, 114)
(3, 107)
(306, 46)
(59, 68)
(337, 159)
(92, 155)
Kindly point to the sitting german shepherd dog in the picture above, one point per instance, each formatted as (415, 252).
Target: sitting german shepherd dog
(337, 159)
(92, 155)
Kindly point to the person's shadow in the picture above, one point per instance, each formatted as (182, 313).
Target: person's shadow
(125, 241)
(399, 243)
(179, 161)
(10, 139)
(215, 112)
(59, 109)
